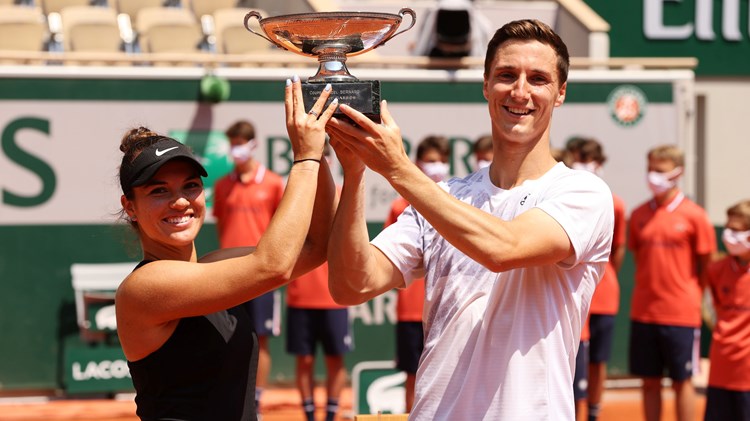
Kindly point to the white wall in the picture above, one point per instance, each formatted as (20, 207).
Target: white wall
(727, 137)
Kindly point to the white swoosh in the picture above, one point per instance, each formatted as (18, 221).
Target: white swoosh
(160, 153)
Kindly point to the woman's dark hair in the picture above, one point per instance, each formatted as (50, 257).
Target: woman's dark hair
(131, 145)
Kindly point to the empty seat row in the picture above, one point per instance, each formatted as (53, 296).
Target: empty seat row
(129, 7)
(21, 28)
(101, 29)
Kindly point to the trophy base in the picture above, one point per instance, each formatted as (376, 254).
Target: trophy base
(362, 95)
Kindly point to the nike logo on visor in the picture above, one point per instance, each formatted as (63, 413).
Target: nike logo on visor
(160, 153)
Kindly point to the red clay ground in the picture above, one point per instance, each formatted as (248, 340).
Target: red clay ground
(283, 405)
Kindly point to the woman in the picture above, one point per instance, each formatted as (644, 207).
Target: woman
(192, 356)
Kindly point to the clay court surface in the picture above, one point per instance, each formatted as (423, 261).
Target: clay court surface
(279, 404)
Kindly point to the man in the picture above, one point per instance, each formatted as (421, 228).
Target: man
(511, 254)
(672, 241)
(433, 154)
(244, 202)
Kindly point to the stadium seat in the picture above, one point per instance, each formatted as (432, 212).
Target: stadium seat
(231, 35)
(201, 8)
(132, 7)
(22, 28)
(168, 30)
(55, 6)
(90, 28)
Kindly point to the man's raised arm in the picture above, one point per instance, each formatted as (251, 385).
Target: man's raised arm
(358, 271)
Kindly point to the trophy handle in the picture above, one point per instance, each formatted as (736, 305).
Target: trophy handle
(402, 12)
(254, 14)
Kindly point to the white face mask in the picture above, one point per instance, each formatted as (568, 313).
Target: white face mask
(437, 171)
(660, 183)
(592, 167)
(244, 152)
(483, 164)
(736, 242)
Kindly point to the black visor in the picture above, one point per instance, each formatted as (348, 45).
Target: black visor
(148, 162)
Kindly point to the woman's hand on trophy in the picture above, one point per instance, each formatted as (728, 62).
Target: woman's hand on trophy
(307, 129)
(379, 146)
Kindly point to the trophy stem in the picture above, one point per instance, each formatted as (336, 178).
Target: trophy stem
(332, 68)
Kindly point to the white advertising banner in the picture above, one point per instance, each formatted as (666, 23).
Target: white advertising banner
(59, 155)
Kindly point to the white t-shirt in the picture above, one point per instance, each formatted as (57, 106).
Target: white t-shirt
(502, 346)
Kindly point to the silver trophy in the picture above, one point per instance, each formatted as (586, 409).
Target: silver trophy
(332, 37)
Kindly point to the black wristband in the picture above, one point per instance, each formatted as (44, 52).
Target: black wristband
(306, 159)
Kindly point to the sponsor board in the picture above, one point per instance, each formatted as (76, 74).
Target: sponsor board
(95, 368)
(378, 388)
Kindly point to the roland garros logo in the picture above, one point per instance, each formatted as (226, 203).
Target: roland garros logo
(627, 105)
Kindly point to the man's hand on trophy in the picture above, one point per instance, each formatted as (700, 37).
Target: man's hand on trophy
(307, 129)
(350, 162)
(379, 146)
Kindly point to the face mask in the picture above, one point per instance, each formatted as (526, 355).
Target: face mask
(592, 167)
(437, 171)
(244, 152)
(483, 164)
(660, 183)
(736, 242)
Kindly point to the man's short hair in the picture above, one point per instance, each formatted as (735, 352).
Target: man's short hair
(591, 150)
(668, 152)
(573, 145)
(742, 210)
(438, 143)
(243, 129)
(529, 30)
(482, 144)
(562, 155)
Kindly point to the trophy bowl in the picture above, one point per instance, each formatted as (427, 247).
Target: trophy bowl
(331, 37)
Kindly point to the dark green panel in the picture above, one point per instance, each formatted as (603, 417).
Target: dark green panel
(36, 296)
(599, 92)
(100, 89)
(245, 90)
(373, 228)
(421, 92)
(717, 57)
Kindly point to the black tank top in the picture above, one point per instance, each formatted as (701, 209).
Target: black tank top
(205, 371)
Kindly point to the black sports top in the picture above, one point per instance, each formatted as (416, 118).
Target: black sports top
(205, 371)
